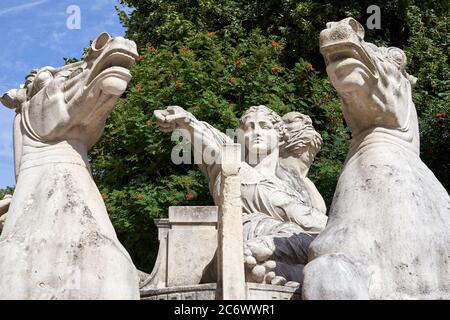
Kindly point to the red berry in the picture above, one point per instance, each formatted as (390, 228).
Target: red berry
(189, 196)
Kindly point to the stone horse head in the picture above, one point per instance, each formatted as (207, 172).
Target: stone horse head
(372, 82)
(57, 241)
(71, 103)
(387, 236)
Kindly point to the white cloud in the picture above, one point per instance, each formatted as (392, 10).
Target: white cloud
(57, 36)
(100, 4)
(22, 7)
(56, 42)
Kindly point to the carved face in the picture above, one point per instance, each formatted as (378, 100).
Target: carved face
(302, 139)
(261, 136)
(296, 121)
(74, 101)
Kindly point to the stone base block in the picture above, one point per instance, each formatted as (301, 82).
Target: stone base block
(208, 291)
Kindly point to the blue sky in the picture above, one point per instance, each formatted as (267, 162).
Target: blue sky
(33, 34)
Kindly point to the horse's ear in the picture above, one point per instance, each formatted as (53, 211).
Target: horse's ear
(14, 98)
(9, 99)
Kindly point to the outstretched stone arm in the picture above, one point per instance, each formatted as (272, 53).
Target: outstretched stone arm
(204, 138)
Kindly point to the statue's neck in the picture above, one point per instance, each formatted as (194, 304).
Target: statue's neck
(267, 166)
(380, 137)
(36, 154)
(394, 126)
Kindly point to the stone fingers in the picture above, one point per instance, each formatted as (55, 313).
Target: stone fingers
(278, 280)
(260, 252)
(259, 273)
(160, 115)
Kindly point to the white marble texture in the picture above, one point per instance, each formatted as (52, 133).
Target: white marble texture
(388, 233)
(58, 241)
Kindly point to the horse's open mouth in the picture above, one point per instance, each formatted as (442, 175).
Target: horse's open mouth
(117, 62)
(344, 54)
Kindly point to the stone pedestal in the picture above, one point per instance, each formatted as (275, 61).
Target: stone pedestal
(254, 291)
(187, 243)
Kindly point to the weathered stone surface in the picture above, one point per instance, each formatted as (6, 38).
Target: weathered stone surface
(388, 234)
(254, 291)
(193, 215)
(58, 242)
(187, 243)
(231, 275)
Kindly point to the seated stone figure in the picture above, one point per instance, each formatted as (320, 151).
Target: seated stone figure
(282, 209)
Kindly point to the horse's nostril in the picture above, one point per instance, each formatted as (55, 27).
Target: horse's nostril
(101, 41)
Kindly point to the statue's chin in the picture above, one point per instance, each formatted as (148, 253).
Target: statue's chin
(113, 85)
(256, 154)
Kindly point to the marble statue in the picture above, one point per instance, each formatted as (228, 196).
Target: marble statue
(58, 241)
(388, 233)
(282, 209)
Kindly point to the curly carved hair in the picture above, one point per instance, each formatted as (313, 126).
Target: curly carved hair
(295, 130)
(301, 135)
(276, 120)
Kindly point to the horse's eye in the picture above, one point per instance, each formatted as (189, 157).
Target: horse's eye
(42, 79)
(397, 55)
(75, 73)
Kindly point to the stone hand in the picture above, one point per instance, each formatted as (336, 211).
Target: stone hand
(258, 266)
(172, 118)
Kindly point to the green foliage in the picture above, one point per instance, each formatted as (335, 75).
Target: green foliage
(217, 58)
(216, 80)
(70, 60)
(428, 52)
(4, 192)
